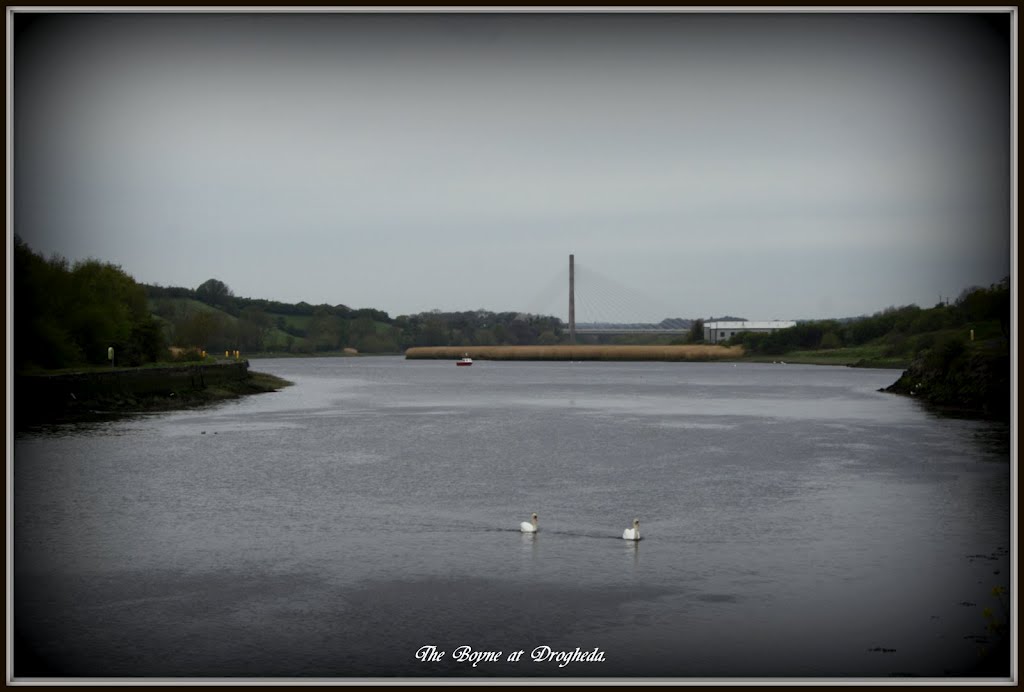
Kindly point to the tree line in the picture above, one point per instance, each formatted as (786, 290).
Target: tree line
(69, 314)
(479, 328)
(249, 324)
(903, 331)
(305, 328)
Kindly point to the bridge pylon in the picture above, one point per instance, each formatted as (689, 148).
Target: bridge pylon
(572, 300)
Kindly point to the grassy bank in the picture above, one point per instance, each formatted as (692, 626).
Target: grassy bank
(91, 394)
(578, 352)
(853, 356)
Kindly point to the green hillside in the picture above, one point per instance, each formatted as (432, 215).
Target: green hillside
(217, 321)
(211, 317)
(183, 319)
(895, 337)
(891, 351)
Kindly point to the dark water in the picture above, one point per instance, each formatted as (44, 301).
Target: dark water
(796, 523)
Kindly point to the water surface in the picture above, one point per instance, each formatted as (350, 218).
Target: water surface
(796, 522)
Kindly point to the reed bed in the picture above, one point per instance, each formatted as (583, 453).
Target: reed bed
(689, 352)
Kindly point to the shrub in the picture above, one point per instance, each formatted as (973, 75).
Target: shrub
(830, 341)
(186, 355)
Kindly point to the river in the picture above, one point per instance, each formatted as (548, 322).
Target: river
(796, 523)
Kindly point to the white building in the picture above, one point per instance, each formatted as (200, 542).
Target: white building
(715, 332)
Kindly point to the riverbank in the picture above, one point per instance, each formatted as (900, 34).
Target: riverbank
(72, 396)
(956, 381)
(854, 357)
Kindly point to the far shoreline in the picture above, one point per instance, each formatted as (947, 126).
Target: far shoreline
(580, 352)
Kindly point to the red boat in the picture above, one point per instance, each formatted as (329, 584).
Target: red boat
(466, 360)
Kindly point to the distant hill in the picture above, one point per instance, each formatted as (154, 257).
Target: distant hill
(212, 318)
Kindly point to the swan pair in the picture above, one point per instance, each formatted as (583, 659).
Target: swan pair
(631, 534)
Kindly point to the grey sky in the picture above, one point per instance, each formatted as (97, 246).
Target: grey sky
(762, 165)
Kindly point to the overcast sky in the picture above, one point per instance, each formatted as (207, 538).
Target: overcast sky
(770, 166)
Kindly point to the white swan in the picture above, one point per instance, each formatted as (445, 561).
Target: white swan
(529, 526)
(632, 534)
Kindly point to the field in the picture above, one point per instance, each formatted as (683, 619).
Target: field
(579, 352)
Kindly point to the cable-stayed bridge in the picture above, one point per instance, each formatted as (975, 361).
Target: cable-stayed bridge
(599, 305)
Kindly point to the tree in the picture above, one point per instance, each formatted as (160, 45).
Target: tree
(326, 331)
(830, 340)
(146, 344)
(697, 332)
(980, 304)
(547, 338)
(253, 328)
(214, 292)
(67, 316)
(205, 330)
(485, 337)
(40, 299)
(105, 304)
(433, 331)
